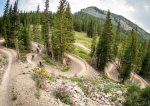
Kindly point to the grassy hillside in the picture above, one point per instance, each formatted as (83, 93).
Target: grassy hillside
(82, 38)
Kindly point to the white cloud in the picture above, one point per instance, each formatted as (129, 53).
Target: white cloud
(147, 8)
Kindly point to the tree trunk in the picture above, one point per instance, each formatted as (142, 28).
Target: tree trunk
(17, 48)
(50, 43)
(61, 42)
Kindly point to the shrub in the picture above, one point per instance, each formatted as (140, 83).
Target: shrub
(47, 60)
(132, 96)
(39, 75)
(14, 96)
(114, 98)
(41, 72)
(63, 96)
(145, 97)
(37, 93)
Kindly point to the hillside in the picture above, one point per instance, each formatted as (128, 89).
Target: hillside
(125, 23)
(64, 59)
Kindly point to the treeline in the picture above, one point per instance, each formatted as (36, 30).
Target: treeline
(15, 33)
(55, 31)
(86, 23)
(132, 53)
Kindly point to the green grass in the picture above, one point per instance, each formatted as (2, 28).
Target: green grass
(81, 53)
(47, 60)
(65, 69)
(82, 38)
(37, 93)
(64, 97)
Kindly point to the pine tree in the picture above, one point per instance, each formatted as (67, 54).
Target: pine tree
(116, 40)
(104, 49)
(134, 51)
(143, 47)
(5, 21)
(47, 31)
(36, 26)
(129, 60)
(90, 29)
(126, 65)
(145, 67)
(69, 37)
(15, 27)
(63, 37)
(94, 46)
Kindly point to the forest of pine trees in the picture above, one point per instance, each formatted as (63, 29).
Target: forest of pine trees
(56, 32)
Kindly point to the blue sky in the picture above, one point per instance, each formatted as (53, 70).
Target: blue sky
(1, 6)
(138, 11)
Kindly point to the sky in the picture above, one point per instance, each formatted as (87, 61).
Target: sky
(138, 11)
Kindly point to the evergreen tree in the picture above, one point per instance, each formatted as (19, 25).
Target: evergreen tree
(104, 49)
(15, 27)
(69, 37)
(143, 47)
(145, 67)
(36, 26)
(116, 41)
(5, 21)
(47, 31)
(94, 45)
(126, 65)
(63, 38)
(135, 50)
(129, 60)
(90, 29)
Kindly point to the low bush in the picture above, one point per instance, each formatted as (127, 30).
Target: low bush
(137, 97)
(47, 60)
(39, 75)
(63, 96)
(37, 93)
(14, 95)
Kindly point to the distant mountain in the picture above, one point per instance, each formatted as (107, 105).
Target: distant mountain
(125, 23)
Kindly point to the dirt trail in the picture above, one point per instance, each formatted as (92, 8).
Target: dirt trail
(79, 67)
(111, 71)
(4, 93)
(83, 47)
(4, 89)
(137, 78)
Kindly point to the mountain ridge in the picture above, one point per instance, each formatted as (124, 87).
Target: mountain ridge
(125, 23)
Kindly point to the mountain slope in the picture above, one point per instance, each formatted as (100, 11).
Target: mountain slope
(125, 23)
